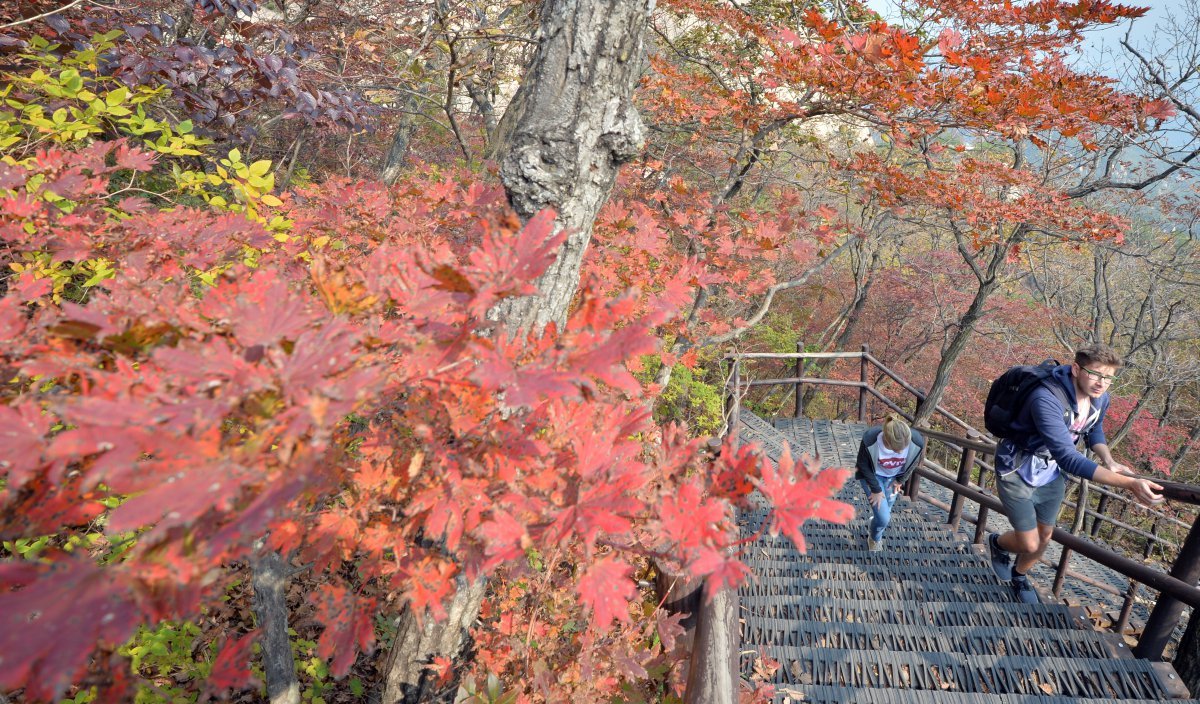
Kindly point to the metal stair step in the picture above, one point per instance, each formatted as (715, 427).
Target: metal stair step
(900, 526)
(891, 558)
(820, 694)
(971, 640)
(901, 513)
(822, 544)
(885, 590)
(915, 533)
(933, 613)
(956, 672)
(977, 573)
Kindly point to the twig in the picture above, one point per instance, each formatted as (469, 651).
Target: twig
(35, 18)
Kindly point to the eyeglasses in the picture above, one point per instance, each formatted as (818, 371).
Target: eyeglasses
(1097, 376)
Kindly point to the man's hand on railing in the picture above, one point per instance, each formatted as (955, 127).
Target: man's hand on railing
(1144, 490)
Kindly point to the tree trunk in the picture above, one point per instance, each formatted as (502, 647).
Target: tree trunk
(576, 125)
(397, 156)
(483, 103)
(958, 344)
(850, 325)
(989, 281)
(1184, 448)
(1187, 658)
(420, 639)
(270, 608)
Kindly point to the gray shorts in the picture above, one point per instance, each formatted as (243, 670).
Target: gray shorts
(1028, 506)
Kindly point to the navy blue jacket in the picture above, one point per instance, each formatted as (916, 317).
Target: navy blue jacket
(1040, 429)
(868, 458)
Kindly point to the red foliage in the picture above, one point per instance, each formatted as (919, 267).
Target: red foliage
(343, 393)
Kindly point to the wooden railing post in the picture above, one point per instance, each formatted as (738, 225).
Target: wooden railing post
(1065, 557)
(1167, 611)
(799, 386)
(1134, 586)
(863, 376)
(965, 463)
(1098, 519)
(713, 676)
(981, 518)
(733, 398)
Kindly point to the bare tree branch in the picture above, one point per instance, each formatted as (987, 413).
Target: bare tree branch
(766, 304)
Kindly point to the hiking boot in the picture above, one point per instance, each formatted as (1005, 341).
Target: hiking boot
(874, 545)
(1023, 591)
(1002, 560)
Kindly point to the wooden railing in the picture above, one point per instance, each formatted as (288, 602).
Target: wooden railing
(970, 452)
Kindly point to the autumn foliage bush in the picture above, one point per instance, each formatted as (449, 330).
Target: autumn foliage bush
(318, 375)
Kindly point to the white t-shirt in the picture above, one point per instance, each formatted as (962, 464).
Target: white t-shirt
(891, 463)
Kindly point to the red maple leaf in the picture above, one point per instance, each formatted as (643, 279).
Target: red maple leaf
(349, 628)
(735, 469)
(720, 570)
(428, 584)
(1159, 109)
(231, 669)
(443, 668)
(607, 588)
(134, 158)
(688, 518)
(22, 428)
(39, 603)
(800, 490)
(504, 535)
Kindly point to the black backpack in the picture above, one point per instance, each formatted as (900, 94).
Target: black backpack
(1009, 393)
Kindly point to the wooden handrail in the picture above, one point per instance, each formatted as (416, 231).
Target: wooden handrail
(1177, 491)
(793, 355)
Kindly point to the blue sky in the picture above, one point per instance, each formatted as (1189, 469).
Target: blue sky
(1100, 41)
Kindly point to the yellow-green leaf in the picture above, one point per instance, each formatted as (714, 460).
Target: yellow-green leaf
(116, 97)
(260, 167)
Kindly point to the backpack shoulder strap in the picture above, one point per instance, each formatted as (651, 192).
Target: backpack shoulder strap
(1067, 404)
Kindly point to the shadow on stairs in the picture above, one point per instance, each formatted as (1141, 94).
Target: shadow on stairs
(925, 620)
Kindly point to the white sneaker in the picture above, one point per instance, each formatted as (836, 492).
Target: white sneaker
(874, 545)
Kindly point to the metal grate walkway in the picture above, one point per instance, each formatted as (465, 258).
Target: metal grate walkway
(923, 621)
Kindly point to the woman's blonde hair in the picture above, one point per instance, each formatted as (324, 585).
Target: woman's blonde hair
(896, 433)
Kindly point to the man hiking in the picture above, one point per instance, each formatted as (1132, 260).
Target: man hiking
(1040, 446)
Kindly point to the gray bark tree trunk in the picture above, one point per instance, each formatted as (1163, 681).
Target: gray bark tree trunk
(1185, 448)
(852, 319)
(270, 608)
(575, 125)
(958, 344)
(397, 156)
(989, 281)
(419, 640)
(1187, 658)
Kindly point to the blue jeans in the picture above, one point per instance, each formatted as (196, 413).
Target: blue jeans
(881, 514)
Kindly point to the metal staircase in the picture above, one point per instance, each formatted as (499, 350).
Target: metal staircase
(925, 620)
